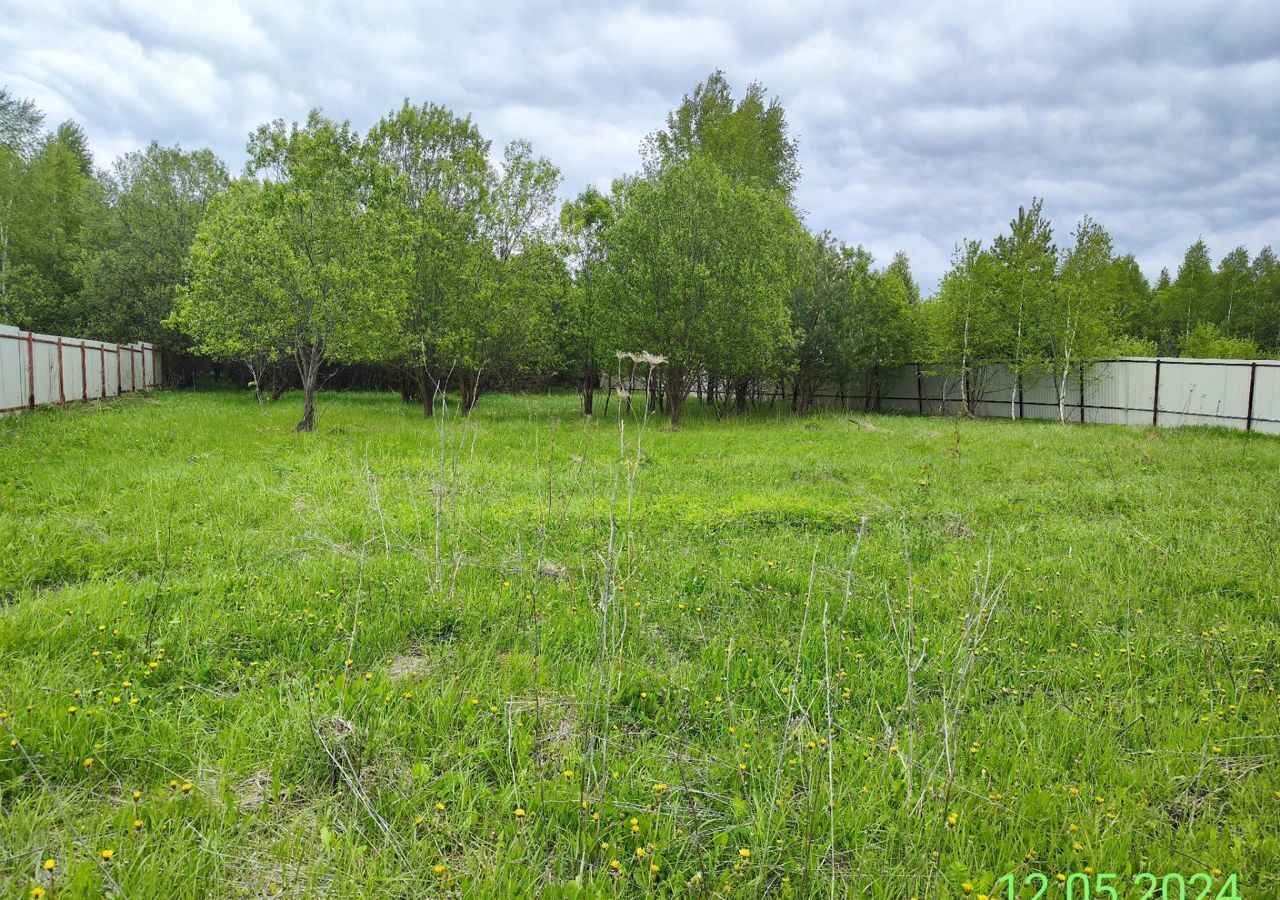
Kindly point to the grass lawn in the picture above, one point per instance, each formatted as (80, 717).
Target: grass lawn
(515, 654)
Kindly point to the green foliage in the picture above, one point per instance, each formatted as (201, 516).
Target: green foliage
(135, 261)
(309, 263)
(1206, 341)
(748, 140)
(698, 264)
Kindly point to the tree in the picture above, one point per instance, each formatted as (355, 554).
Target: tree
(821, 302)
(136, 258)
(699, 270)
(1264, 310)
(317, 251)
(48, 199)
(965, 324)
(1080, 324)
(584, 222)
(1029, 308)
(1134, 313)
(1232, 292)
(519, 278)
(1207, 341)
(748, 140)
(442, 183)
(1188, 299)
(235, 307)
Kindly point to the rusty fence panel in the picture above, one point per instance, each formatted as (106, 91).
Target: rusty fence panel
(41, 369)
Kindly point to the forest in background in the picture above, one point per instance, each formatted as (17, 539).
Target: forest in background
(418, 251)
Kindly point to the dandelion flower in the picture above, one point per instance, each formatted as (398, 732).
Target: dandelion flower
(107, 854)
(137, 824)
(519, 812)
(439, 869)
(50, 864)
(744, 853)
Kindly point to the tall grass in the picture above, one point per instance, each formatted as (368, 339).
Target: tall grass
(521, 653)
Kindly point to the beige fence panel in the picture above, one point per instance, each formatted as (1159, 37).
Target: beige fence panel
(1163, 391)
(40, 369)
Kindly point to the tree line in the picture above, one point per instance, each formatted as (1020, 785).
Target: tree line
(418, 249)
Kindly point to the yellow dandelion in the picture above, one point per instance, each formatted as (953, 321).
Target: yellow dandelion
(107, 854)
(50, 864)
(519, 812)
(744, 853)
(137, 824)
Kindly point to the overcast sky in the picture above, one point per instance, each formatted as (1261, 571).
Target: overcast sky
(919, 123)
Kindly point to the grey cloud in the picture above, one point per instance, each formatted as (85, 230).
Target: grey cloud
(920, 123)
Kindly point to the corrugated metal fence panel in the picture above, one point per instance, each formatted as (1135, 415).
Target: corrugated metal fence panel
(13, 373)
(1266, 400)
(1118, 391)
(39, 369)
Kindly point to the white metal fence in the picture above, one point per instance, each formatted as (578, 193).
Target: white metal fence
(1164, 391)
(37, 369)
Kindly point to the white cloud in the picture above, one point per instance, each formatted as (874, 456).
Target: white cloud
(920, 122)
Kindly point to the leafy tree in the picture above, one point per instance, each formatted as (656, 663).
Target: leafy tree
(827, 278)
(1264, 311)
(1081, 323)
(505, 327)
(1187, 302)
(1232, 292)
(584, 222)
(699, 267)
(1207, 341)
(48, 198)
(1029, 306)
(965, 324)
(318, 248)
(748, 139)
(136, 259)
(443, 183)
(1134, 312)
(236, 307)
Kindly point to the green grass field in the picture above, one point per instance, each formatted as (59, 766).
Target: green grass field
(519, 655)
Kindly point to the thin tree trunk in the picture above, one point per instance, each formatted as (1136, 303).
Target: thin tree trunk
(677, 393)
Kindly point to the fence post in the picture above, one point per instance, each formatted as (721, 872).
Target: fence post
(919, 391)
(1253, 378)
(1155, 400)
(1082, 395)
(84, 372)
(102, 369)
(31, 370)
(62, 377)
(119, 373)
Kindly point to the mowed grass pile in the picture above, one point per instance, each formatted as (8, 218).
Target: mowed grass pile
(516, 654)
